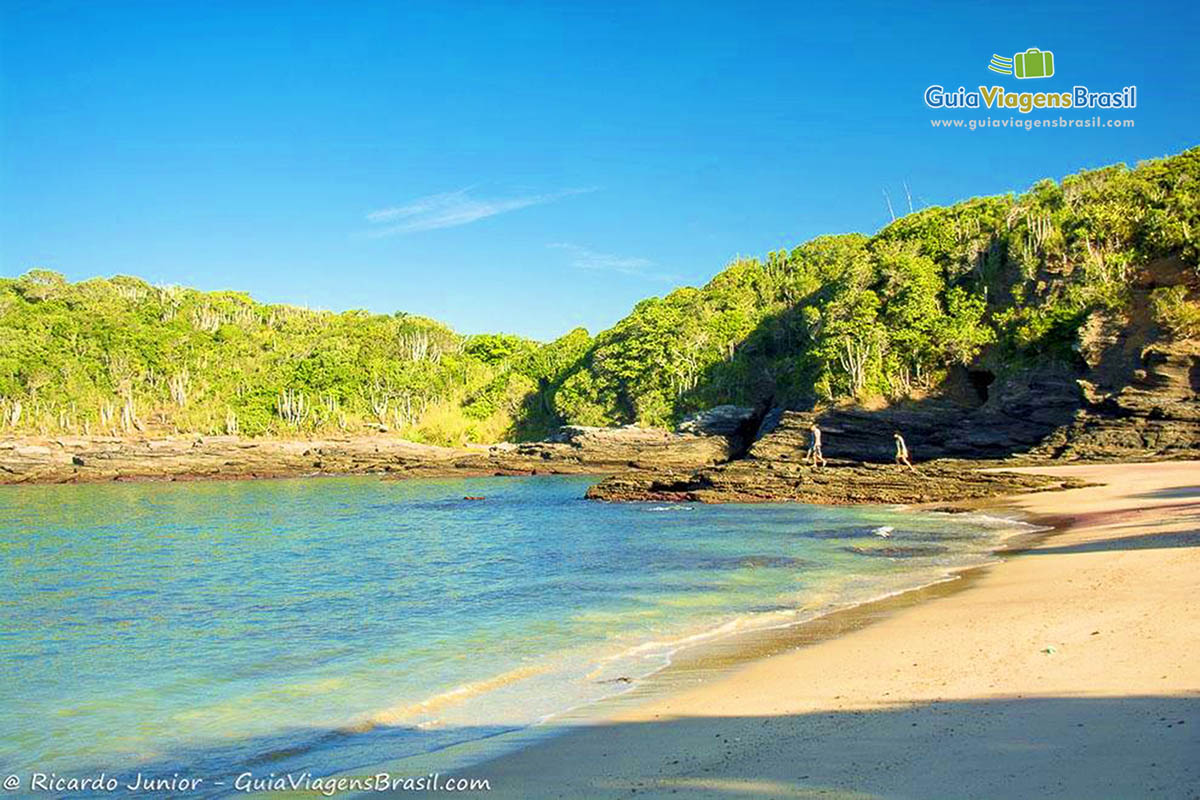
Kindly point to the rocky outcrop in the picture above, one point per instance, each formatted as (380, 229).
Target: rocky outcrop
(755, 480)
(1028, 418)
(1032, 415)
(572, 450)
(726, 421)
(71, 459)
(1156, 412)
(933, 429)
(629, 447)
(1139, 398)
(774, 469)
(646, 464)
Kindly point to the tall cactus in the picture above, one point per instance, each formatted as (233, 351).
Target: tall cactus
(293, 407)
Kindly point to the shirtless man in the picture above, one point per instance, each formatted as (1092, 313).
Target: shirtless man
(902, 451)
(814, 447)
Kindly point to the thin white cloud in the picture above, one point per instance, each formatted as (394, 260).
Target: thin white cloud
(451, 209)
(583, 258)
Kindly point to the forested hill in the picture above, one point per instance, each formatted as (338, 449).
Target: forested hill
(1005, 282)
(1005, 279)
(121, 356)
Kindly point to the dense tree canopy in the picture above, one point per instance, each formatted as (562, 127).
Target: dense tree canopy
(1007, 279)
(111, 356)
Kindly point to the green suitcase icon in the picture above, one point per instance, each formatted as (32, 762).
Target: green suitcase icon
(1033, 63)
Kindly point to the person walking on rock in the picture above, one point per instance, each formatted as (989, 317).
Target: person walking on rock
(902, 452)
(814, 454)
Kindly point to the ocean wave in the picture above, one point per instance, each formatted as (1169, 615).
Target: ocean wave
(992, 521)
(413, 712)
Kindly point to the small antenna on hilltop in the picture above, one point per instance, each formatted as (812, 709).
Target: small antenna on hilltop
(908, 194)
(889, 205)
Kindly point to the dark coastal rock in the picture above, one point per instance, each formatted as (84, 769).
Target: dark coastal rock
(769, 422)
(70, 459)
(1139, 399)
(1034, 416)
(1140, 389)
(603, 449)
(761, 480)
(574, 450)
(719, 421)
(1155, 413)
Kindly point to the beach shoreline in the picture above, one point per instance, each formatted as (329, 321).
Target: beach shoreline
(994, 666)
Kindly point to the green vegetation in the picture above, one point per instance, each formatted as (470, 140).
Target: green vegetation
(114, 356)
(1175, 312)
(1005, 281)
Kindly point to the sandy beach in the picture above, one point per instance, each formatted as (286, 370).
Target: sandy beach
(1070, 669)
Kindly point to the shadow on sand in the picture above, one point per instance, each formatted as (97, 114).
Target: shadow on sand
(1145, 541)
(1174, 492)
(1044, 747)
(1061, 747)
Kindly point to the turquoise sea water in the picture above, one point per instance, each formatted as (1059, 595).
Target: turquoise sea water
(332, 624)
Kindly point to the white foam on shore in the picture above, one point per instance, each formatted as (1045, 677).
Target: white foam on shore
(665, 651)
(597, 679)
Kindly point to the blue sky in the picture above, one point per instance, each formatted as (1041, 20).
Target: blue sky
(525, 167)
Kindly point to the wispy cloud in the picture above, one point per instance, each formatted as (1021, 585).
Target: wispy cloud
(583, 258)
(451, 209)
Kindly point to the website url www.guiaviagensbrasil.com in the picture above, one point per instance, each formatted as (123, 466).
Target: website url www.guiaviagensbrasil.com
(1030, 124)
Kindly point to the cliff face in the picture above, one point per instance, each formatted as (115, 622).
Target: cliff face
(1156, 414)
(1032, 416)
(1043, 413)
(1133, 393)
(1139, 389)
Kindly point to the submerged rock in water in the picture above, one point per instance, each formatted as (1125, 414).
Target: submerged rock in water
(898, 551)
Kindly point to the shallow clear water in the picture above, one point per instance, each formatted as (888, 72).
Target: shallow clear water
(331, 624)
